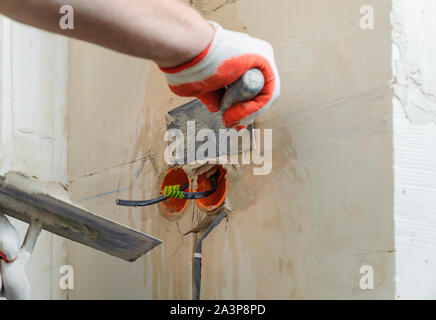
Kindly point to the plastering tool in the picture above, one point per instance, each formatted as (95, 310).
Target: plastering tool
(43, 206)
(245, 88)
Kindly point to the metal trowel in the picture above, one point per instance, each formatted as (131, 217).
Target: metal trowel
(44, 207)
(193, 116)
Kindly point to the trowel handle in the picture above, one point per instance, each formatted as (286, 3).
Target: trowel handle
(32, 235)
(244, 89)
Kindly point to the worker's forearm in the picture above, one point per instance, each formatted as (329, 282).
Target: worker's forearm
(166, 31)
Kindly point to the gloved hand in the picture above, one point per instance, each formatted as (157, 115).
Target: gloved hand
(13, 280)
(9, 240)
(227, 58)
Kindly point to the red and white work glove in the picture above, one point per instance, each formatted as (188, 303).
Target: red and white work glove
(13, 280)
(225, 60)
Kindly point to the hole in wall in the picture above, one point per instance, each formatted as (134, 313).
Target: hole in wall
(217, 198)
(174, 207)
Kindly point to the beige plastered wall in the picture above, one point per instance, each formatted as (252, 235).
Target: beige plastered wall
(301, 232)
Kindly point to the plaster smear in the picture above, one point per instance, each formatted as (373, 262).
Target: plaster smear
(32, 185)
(238, 196)
(414, 123)
(413, 55)
(193, 170)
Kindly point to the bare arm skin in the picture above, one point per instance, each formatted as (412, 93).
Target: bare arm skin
(165, 31)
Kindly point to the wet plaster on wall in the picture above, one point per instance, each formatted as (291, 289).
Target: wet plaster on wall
(301, 232)
(414, 103)
(413, 60)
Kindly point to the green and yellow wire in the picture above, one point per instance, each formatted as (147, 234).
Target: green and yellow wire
(173, 192)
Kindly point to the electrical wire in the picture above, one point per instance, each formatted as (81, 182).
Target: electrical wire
(204, 194)
(143, 203)
(186, 195)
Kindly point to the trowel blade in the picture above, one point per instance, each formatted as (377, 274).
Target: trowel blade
(70, 221)
(196, 111)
